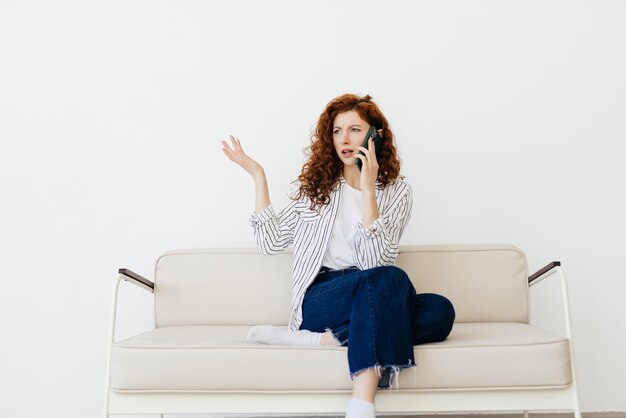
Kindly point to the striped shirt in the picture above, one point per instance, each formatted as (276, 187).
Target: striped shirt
(309, 231)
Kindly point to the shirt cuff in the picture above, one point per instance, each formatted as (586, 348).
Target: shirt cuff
(260, 218)
(374, 230)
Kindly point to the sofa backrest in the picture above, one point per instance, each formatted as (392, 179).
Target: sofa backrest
(486, 283)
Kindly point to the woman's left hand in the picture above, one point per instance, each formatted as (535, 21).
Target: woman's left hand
(369, 169)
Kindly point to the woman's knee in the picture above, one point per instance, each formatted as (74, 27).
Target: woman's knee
(435, 316)
(446, 316)
(390, 276)
(446, 309)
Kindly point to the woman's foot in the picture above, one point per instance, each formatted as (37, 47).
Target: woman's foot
(329, 339)
(360, 408)
(269, 334)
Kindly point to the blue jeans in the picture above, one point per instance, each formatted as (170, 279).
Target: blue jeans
(377, 314)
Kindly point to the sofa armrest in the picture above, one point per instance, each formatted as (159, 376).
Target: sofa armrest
(136, 279)
(539, 275)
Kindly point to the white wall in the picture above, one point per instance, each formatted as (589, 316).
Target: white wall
(509, 116)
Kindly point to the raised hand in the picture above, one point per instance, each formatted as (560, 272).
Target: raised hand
(239, 157)
(236, 155)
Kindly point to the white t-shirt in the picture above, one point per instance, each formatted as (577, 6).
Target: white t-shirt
(341, 245)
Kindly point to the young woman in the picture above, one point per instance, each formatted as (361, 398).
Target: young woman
(345, 225)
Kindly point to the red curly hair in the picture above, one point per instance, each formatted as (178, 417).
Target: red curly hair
(323, 168)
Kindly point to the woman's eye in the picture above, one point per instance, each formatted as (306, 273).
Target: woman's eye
(356, 129)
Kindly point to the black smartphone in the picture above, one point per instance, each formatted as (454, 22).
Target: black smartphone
(378, 144)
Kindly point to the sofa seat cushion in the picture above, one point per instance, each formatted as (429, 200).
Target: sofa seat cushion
(216, 358)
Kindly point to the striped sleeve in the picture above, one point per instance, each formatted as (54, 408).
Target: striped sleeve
(274, 233)
(378, 245)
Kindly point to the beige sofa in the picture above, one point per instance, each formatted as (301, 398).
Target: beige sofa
(197, 359)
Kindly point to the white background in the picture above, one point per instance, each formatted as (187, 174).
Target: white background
(510, 119)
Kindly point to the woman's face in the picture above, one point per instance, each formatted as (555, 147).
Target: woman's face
(348, 133)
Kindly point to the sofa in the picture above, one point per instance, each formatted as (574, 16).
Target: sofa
(197, 358)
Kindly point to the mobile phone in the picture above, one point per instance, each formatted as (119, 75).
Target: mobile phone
(378, 144)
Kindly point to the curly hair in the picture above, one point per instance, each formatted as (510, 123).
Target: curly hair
(323, 169)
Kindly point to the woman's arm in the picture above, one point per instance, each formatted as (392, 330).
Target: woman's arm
(273, 233)
(261, 191)
(378, 244)
(239, 157)
(378, 235)
(370, 208)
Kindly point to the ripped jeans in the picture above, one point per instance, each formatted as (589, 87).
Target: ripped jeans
(378, 315)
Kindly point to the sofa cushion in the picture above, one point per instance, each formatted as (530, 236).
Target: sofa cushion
(215, 358)
(485, 283)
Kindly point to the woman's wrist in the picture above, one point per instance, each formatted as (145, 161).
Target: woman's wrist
(368, 192)
(257, 172)
(370, 207)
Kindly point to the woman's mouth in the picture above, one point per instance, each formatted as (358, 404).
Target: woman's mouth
(347, 153)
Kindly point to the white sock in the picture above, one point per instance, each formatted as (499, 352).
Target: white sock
(360, 408)
(269, 334)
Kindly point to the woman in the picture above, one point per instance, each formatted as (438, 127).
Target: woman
(345, 226)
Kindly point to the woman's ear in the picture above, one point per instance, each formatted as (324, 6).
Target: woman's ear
(380, 133)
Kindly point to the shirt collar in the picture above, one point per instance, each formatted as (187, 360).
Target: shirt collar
(342, 181)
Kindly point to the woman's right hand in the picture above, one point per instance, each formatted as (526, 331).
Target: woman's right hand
(238, 156)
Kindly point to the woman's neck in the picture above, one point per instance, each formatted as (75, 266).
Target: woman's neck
(353, 176)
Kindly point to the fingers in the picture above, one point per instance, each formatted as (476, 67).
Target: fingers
(233, 153)
(364, 160)
(373, 148)
(233, 141)
(228, 152)
(369, 159)
(237, 145)
(225, 146)
(363, 150)
(370, 152)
